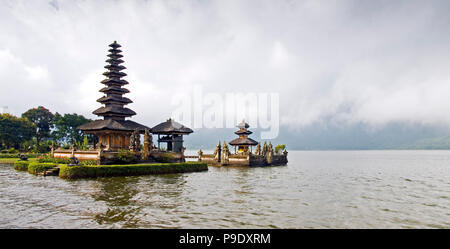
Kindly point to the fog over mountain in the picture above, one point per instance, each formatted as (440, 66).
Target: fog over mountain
(350, 74)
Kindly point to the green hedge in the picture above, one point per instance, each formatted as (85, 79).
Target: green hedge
(15, 155)
(49, 159)
(73, 172)
(36, 167)
(21, 165)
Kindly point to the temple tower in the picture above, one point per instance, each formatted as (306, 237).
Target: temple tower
(114, 131)
(113, 100)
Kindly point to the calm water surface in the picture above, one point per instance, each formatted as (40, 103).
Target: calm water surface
(317, 189)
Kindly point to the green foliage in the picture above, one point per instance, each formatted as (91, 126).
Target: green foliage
(37, 167)
(165, 157)
(43, 147)
(12, 151)
(126, 157)
(66, 128)
(42, 119)
(49, 159)
(89, 162)
(85, 142)
(29, 155)
(73, 172)
(280, 148)
(21, 165)
(14, 130)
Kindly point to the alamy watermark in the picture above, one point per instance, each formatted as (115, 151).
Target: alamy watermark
(225, 110)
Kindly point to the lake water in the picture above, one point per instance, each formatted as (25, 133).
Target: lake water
(317, 189)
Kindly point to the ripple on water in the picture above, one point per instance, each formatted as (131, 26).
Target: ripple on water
(359, 189)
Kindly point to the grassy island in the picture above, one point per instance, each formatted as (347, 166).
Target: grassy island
(75, 172)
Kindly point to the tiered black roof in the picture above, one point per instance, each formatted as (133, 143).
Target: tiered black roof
(171, 127)
(113, 99)
(113, 111)
(243, 133)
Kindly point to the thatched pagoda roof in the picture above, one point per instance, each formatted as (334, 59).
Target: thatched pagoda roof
(243, 132)
(243, 141)
(115, 45)
(119, 111)
(171, 127)
(111, 89)
(111, 124)
(112, 98)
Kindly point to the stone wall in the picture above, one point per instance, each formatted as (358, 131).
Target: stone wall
(81, 155)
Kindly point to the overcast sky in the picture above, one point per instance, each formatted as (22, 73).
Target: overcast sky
(344, 61)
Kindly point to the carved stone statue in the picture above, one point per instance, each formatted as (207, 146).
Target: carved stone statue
(131, 146)
(217, 152)
(258, 150)
(269, 153)
(22, 157)
(135, 141)
(147, 145)
(225, 154)
(264, 149)
(73, 161)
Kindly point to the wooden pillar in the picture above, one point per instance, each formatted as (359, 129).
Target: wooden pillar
(122, 142)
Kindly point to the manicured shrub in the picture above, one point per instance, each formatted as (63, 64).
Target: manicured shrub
(49, 159)
(21, 165)
(29, 155)
(36, 167)
(126, 157)
(89, 162)
(73, 172)
(165, 157)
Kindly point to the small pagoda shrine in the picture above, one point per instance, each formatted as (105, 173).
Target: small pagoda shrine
(243, 155)
(243, 142)
(172, 133)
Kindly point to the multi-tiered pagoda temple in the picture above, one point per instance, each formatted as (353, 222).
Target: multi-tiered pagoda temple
(243, 142)
(114, 131)
(243, 155)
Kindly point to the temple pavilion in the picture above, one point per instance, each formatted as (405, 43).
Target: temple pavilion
(114, 130)
(243, 142)
(171, 132)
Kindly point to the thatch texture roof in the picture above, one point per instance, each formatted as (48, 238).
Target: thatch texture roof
(243, 132)
(111, 124)
(171, 127)
(112, 98)
(243, 141)
(108, 110)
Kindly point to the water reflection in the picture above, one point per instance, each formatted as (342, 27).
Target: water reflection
(128, 199)
(326, 189)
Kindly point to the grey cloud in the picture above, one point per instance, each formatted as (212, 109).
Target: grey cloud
(354, 61)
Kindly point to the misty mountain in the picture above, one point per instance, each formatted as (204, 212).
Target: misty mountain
(337, 137)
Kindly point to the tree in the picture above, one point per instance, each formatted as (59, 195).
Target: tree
(66, 128)
(14, 130)
(280, 148)
(42, 119)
